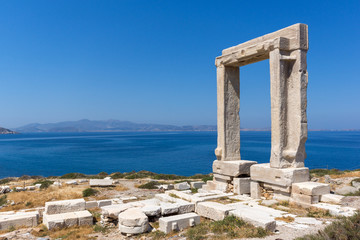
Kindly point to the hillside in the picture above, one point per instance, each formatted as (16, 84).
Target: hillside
(6, 131)
(86, 125)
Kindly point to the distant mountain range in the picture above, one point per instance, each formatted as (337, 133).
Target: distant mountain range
(86, 125)
(6, 131)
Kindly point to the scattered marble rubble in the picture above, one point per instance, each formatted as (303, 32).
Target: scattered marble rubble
(175, 210)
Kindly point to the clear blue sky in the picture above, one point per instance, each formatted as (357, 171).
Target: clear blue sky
(153, 61)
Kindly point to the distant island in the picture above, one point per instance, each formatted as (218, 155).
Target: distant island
(86, 125)
(6, 131)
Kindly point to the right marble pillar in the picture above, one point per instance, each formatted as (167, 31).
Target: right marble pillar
(288, 76)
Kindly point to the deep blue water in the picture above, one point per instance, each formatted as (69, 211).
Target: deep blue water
(183, 153)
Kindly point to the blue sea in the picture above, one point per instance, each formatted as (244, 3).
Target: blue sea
(183, 153)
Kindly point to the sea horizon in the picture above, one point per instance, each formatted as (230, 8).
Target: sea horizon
(171, 152)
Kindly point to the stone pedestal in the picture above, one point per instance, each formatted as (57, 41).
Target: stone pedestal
(279, 177)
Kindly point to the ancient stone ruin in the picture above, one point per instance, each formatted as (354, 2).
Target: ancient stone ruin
(238, 185)
(286, 50)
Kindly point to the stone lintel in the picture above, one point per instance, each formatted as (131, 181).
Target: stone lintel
(282, 177)
(233, 168)
(253, 53)
(297, 35)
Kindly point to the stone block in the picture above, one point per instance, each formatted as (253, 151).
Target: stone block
(84, 218)
(68, 219)
(127, 199)
(113, 211)
(91, 204)
(182, 186)
(151, 210)
(19, 189)
(281, 177)
(102, 203)
(337, 210)
(65, 206)
(169, 204)
(30, 188)
(281, 196)
(185, 207)
(232, 168)
(71, 182)
(222, 178)
(255, 190)
(178, 222)
(169, 208)
(346, 190)
(242, 185)
(22, 219)
(133, 217)
(101, 182)
(133, 221)
(166, 186)
(210, 185)
(220, 185)
(213, 210)
(304, 200)
(197, 185)
(133, 230)
(256, 218)
(331, 198)
(310, 188)
(286, 189)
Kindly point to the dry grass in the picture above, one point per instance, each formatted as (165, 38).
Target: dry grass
(31, 199)
(347, 174)
(347, 228)
(287, 219)
(226, 200)
(72, 233)
(120, 188)
(305, 212)
(229, 228)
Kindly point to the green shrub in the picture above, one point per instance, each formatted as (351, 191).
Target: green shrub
(73, 176)
(44, 183)
(229, 228)
(355, 180)
(149, 185)
(89, 192)
(347, 228)
(99, 228)
(357, 193)
(3, 200)
(103, 174)
(25, 177)
(117, 175)
(5, 180)
(323, 172)
(207, 178)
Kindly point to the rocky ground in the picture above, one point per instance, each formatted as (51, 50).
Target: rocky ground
(340, 183)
